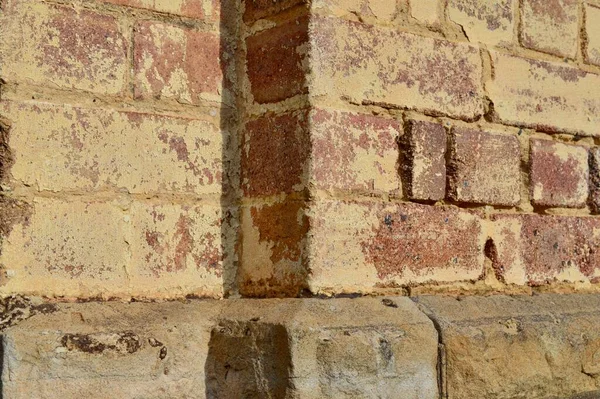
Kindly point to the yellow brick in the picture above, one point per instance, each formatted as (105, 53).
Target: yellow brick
(592, 26)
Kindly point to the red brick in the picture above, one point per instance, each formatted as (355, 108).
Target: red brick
(198, 9)
(559, 174)
(177, 63)
(595, 179)
(257, 9)
(275, 154)
(62, 46)
(424, 165)
(359, 246)
(549, 248)
(551, 26)
(276, 61)
(354, 152)
(370, 64)
(484, 167)
(275, 237)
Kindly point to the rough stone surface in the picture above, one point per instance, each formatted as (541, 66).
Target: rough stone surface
(359, 246)
(501, 347)
(592, 31)
(540, 249)
(559, 174)
(426, 11)
(544, 95)
(489, 22)
(394, 68)
(550, 26)
(484, 167)
(341, 348)
(425, 160)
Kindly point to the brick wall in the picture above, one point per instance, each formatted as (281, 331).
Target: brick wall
(153, 148)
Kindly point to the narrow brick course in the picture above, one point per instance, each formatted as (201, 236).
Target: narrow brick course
(207, 10)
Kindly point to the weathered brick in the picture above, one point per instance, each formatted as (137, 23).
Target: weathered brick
(551, 26)
(177, 63)
(176, 250)
(62, 46)
(594, 164)
(198, 9)
(275, 235)
(354, 152)
(559, 174)
(277, 61)
(275, 154)
(484, 167)
(54, 252)
(592, 30)
(538, 249)
(424, 146)
(257, 9)
(490, 22)
(383, 10)
(394, 68)
(426, 11)
(544, 95)
(360, 246)
(71, 148)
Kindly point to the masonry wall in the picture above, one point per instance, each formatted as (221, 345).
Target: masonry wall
(160, 149)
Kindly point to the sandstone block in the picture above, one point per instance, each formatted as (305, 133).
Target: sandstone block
(62, 47)
(544, 95)
(207, 10)
(500, 347)
(484, 167)
(540, 249)
(394, 68)
(361, 246)
(365, 348)
(65, 148)
(177, 63)
(176, 250)
(49, 248)
(277, 61)
(110, 350)
(489, 22)
(382, 10)
(550, 26)
(592, 30)
(425, 160)
(559, 174)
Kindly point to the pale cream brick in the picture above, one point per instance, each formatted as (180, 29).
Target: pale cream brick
(592, 29)
(67, 248)
(551, 26)
(426, 11)
(490, 22)
(545, 95)
(61, 148)
(176, 250)
(394, 68)
(199, 9)
(62, 47)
